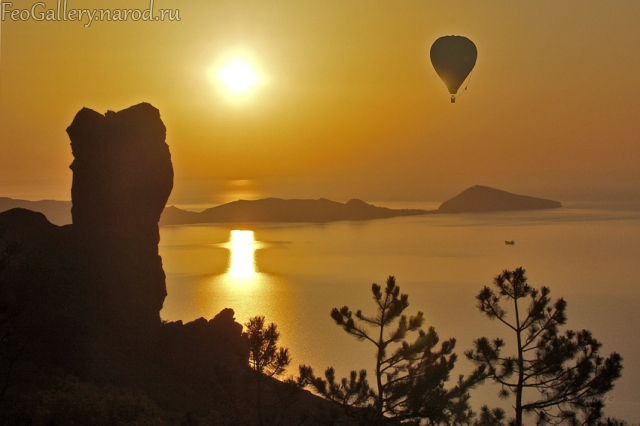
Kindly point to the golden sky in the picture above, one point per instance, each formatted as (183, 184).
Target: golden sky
(347, 103)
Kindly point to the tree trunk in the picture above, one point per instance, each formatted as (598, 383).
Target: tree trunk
(380, 401)
(520, 385)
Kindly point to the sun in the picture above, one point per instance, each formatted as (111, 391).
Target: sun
(237, 77)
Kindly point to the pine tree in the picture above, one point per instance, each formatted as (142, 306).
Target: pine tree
(490, 417)
(409, 380)
(265, 357)
(561, 375)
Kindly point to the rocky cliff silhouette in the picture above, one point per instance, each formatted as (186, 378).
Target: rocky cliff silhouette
(81, 338)
(64, 286)
(122, 178)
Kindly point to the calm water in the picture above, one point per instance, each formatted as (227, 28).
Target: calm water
(294, 274)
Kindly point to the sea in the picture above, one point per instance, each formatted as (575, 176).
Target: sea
(293, 274)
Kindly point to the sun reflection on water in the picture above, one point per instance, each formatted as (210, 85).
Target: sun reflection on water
(243, 287)
(242, 261)
(242, 270)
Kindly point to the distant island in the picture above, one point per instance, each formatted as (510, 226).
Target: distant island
(476, 199)
(482, 199)
(279, 210)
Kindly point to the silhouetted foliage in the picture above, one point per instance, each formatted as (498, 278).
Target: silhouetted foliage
(490, 417)
(265, 358)
(349, 392)
(409, 379)
(613, 422)
(561, 375)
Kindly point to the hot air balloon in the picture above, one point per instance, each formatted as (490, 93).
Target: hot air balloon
(453, 58)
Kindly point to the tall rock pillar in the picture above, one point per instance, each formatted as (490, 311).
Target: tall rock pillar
(122, 178)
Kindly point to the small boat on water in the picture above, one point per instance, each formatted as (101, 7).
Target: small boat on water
(510, 243)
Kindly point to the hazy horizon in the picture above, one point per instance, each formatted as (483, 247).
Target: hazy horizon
(618, 199)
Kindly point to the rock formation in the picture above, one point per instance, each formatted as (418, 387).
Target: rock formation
(122, 173)
(122, 178)
(61, 288)
(80, 303)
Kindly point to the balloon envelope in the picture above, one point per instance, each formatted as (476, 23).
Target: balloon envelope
(453, 58)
